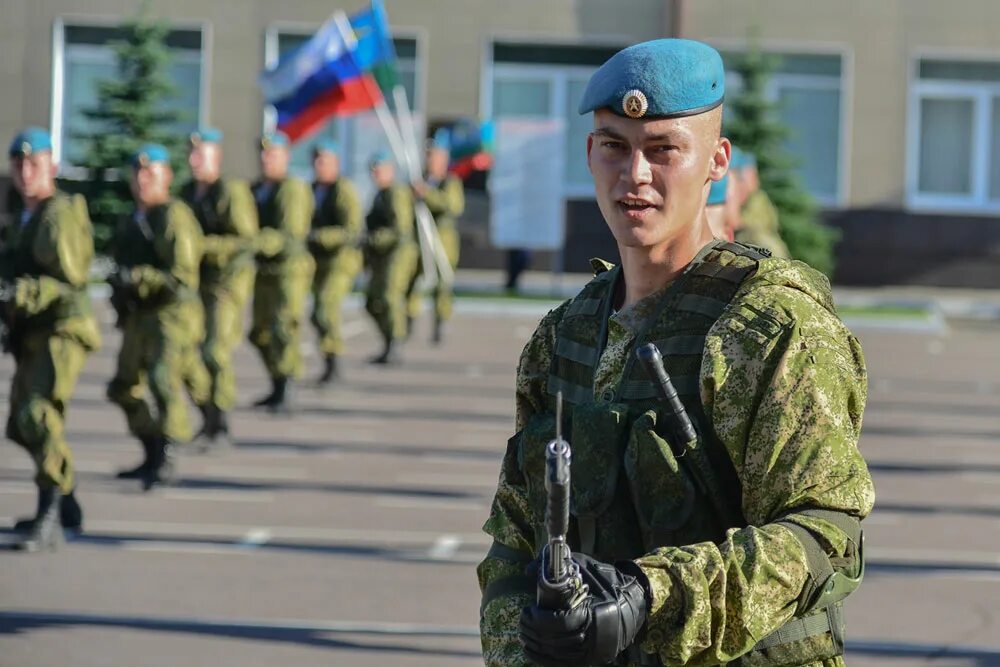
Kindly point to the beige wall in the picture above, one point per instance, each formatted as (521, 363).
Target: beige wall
(880, 39)
(452, 35)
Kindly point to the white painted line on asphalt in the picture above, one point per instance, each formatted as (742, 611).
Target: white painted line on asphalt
(462, 459)
(181, 548)
(882, 519)
(234, 532)
(960, 556)
(17, 487)
(394, 502)
(981, 477)
(448, 479)
(983, 577)
(444, 547)
(303, 625)
(216, 495)
(255, 538)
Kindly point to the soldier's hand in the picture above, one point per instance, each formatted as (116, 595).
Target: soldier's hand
(419, 189)
(597, 630)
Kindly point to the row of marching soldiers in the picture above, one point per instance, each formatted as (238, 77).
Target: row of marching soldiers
(182, 272)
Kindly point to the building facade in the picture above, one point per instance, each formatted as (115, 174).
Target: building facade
(894, 105)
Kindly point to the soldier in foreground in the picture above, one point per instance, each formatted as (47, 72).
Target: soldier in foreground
(391, 254)
(227, 215)
(444, 195)
(333, 242)
(738, 544)
(44, 266)
(284, 269)
(155, 293)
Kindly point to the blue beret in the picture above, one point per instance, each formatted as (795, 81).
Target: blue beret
(211, 135)
(149, 154)
(441, 139)
(30, 140)
(378, 157)
(325, 146)
(717, 193)
(663, 78)
(741, 159)
(276, 138)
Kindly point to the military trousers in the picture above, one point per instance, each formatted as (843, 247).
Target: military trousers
(149, 380)
(279, 300)
(442, 296)
(334, 279)
(47, 370)
(391, 276)
(210, 376)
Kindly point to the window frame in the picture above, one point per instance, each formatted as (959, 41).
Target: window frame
(982, 94)
(57, 109)
(845, 85)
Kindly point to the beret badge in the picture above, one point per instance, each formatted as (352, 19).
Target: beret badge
(635, 104)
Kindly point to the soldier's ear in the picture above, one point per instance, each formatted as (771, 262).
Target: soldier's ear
(590, 146)
(54, 168)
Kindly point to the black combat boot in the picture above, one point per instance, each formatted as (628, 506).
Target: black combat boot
(279, 399)
(438, 336)
(46, 531)
(409, 326)
(390, 355)
(202, 440)
(140, 470)
(70, 515)
(330, 372)
(161, 467)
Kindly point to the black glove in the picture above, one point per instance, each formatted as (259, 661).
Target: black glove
(598, 629)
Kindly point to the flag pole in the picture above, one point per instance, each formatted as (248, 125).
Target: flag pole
(392, 132)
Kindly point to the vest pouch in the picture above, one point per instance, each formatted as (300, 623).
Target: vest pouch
(662, 491)
(597, 441)
(535, 435)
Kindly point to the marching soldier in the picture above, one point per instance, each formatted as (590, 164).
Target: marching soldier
(44, 267)
(391, 254)
(284, 269)
(333, 242)
(736, 541)
(444, 195)
(155, 293)
(228, 217)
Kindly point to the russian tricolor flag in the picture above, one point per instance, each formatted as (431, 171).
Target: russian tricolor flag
(328, 75)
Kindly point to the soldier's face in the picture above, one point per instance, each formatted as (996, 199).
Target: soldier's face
(652, 176)
(383, 174)
(326, 167)
(151, 184)
(437, 162)
(274, 162)
(33, 175)
(205, 161)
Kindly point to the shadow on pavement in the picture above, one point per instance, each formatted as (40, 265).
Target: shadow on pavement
(964, 510)
(934, 468)
(982, 657)
(18, 622)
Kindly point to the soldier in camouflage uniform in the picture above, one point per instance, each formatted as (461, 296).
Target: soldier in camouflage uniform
(155, 293)
(228, 217)
(444, 195)
(333, 242)
(284, 269)
(736, 548)
(758, 218)
(44, 266)
(391, 254)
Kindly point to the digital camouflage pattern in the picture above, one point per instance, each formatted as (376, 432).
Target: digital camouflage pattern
(284, 273)
(159, 257)
(391, 254)
(337, 227)
(228, 218)
(759, 220)
(446, 202)
(48, 260)
(783, 385)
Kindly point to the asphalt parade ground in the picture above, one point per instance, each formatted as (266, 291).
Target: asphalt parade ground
(349, 534)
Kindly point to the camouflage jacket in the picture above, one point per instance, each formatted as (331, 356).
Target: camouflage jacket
(48, 260)
(390, 221)
(284, 211)
(228, 219)
(337, 220)
(445, 200)
(782, 386)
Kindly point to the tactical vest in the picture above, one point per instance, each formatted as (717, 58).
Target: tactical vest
(632, 490)
(267, 217)
(75, 302)
(210, 218)
(137, 246)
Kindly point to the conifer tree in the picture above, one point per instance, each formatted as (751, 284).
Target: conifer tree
(754, 126)
(132, 109)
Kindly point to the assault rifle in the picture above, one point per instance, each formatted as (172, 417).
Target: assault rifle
(560, 585)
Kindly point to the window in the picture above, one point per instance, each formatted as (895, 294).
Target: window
(954, 157)
(546, 82)
(84, 57)
(359, 135)
(808, 91)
